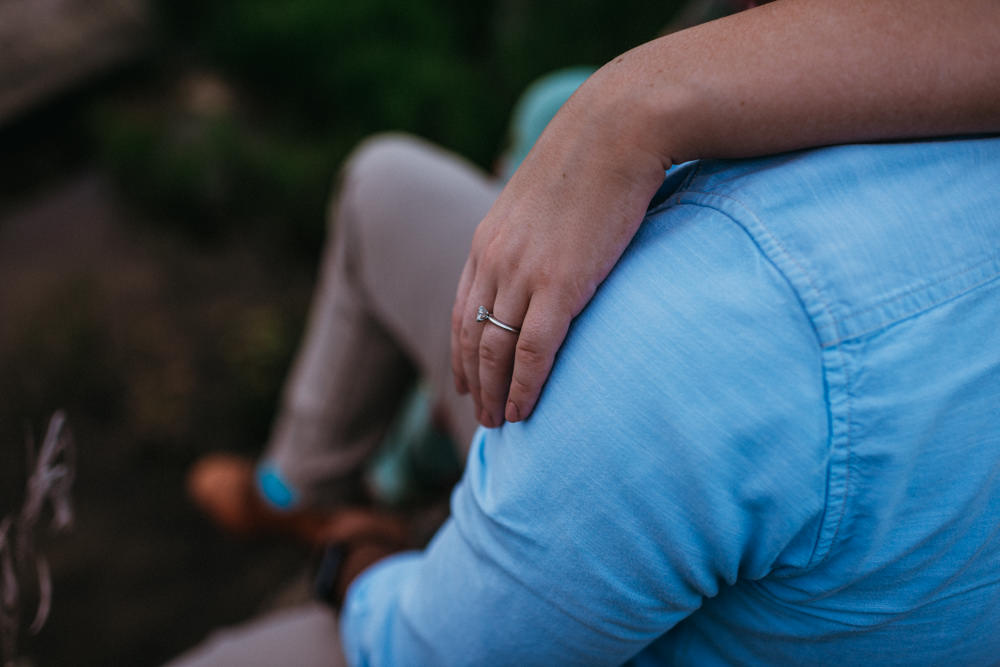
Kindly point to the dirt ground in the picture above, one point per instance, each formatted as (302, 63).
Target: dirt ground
(159, 349)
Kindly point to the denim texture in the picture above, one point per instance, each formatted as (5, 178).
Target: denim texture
(773, 437)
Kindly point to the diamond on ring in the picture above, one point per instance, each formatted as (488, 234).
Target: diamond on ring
(484, 315)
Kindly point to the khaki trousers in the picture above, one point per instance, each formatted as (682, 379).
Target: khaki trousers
(401, 223)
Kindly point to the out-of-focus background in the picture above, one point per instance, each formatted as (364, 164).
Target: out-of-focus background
(164, 168)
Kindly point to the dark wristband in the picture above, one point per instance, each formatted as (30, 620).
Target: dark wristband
(328, 573)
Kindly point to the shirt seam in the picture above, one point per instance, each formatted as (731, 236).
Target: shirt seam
(956, 292)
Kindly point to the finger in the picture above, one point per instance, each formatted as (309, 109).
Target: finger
(496, 355)
(542, 333)
(459, 312)
(469, 339)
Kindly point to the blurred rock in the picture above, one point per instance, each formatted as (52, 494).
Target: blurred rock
(50, 45)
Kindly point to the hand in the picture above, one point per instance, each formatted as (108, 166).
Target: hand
(358, 558)
(355, 524)
(366, 536)
(538, 256)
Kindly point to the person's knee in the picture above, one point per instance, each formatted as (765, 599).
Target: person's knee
(379, 166)
(383, 159)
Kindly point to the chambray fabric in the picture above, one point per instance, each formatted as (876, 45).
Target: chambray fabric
(772, 438)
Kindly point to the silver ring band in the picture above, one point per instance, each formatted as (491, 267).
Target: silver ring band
(483, 315)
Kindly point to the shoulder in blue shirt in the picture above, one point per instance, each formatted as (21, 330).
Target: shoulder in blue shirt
(771, 437)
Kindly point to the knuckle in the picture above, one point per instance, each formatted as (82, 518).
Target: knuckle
(530, 353)
(468, 339)
(505, 262)
(490, 354)
(521, 386)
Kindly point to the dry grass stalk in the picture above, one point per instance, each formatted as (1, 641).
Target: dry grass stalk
(24, 573)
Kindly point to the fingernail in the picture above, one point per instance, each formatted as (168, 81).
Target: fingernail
(512, 413)
(484, 419)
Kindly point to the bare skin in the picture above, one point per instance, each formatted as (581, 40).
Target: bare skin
(788, 75)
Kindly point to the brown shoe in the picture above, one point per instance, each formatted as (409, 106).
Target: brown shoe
(223, 486)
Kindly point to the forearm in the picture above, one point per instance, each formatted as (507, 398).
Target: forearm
(802, 73)
(788, 75)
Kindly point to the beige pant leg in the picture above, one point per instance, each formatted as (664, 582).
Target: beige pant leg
(401, 225)
(304, 636)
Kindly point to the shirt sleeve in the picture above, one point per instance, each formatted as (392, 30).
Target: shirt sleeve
(680, 446)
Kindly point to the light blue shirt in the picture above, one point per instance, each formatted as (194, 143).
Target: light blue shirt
(772, 438)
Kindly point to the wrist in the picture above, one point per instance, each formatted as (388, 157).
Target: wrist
(340, 564)
(358, 557)
(618, 132)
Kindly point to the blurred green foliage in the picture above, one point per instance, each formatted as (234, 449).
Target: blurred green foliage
(316, 76)
(63, 357)
(211, 175)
